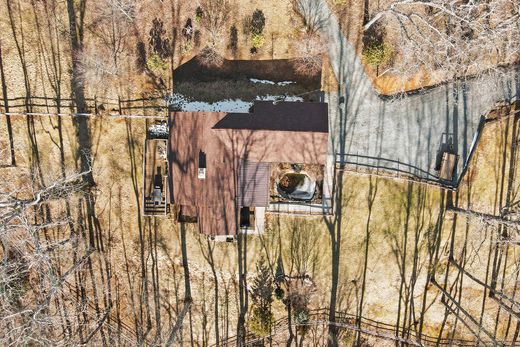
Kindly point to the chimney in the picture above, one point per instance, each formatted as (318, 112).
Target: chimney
(202, 166)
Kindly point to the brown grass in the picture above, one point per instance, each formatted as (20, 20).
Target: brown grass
(329, 82)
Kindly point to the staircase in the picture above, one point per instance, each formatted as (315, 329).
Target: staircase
(151, 209)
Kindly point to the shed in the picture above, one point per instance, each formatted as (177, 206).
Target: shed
(448, 163)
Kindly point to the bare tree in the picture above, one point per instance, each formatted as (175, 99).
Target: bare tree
(209, 57)
(31, 283)
(310, 49)
(5, 100)
(311, 15)
(460, 37)
(486, 219)
(111, 28)
(213, 19)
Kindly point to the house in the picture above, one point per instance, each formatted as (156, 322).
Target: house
(223, 167)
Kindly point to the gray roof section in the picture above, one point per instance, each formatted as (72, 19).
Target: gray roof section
(253, 184)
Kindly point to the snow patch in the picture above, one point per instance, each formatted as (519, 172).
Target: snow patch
(158, 130)
(282, 83)
(228, 105)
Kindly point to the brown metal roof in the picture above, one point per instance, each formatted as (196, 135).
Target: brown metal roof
(275, 146)
(212, 197)
(253, 184)
(215, 197)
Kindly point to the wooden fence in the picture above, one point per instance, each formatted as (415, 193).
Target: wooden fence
(147, 106)
(346, 321)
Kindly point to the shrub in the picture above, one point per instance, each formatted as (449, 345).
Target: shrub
(376, 54)
(156, 63)
(186, 48)
(199, 14)
(210, 57)
(261, 322)
(301, 316)
(375, 51)
(141, 56)
(279, 293)
(257, 22)
(196, 38)
(187, 31)
(247, 25)
(261, 319)
(158, 43)
(257, 41)
(310, 49)
(233, 39)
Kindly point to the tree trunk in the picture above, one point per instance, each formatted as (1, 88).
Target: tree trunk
(6, 109)
(78, 89)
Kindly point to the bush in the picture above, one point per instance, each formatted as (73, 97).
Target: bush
(301, 316)
(233, 39)
(156, 63)
(376, 54)
(187, 31)
(257, 22)
(310, 49)
(257, 41)
(141, 56)
(375, 51)
(261, 322)
(159, 44)
(247, 25)
(198, 14)
(196, 38)
(186, 48)
(279, 293)
(210, 57)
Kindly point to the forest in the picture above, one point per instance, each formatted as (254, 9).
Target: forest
(399, 263)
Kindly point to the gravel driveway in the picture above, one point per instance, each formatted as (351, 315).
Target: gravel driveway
(404, 132)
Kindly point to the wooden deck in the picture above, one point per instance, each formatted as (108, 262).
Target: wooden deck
(155, 177)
